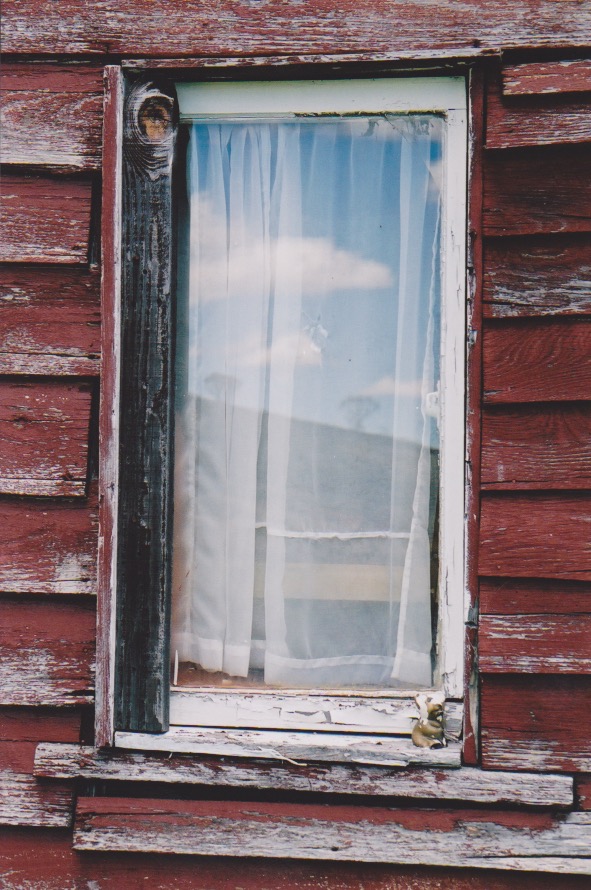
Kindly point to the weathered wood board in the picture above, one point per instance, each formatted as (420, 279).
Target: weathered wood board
(537, 190)
(537, 446)
(548, 120)
(542, 360)
(71, 761)
(537, 78)
(510, 596)
(51, 115)
(48, 547)
(536, 723)
(44, 433)
(44, 219)
(34, 724)
(46, 652)
(25, 800)
(542, 275)
(398, 28)
(535, 644)
(303, 831)
(49, 320)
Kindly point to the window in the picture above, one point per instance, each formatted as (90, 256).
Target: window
(318, 326)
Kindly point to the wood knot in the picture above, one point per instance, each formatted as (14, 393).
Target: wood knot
(150, 128)
(155, 118)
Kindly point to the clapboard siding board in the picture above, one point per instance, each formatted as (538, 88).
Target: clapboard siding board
(537, 190)
(49, 315)
(537, 446)
(542, 644)
(46, 653)
(541, 360)
(44, 432)
(510, 596)
(35, 724)
(406, 29)
(24, 800)
(51, 116)
(535, 723)
(538, 78)
(48, 546)
(547, 120)
(536, 535)
(71, 761)
(45, 219)
(541, 275)
(305, 831)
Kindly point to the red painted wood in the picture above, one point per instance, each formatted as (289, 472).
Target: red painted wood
(51, 115)
(403, 28)
(510, 596)
(46, 861)
(569, 76)
(537, 190)
(583, 791)
(24, 800)
(542, 360)
(48, 547)
(536, 536)
(46, 652)
(541, 644)
(44, 220)
(536, 723)
(544, 275)
(44, 430)
(537, 446)
(35, 724)
(547, 120)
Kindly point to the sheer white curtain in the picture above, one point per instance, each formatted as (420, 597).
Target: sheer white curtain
(305, 490)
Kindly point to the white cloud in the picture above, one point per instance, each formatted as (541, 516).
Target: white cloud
(388, 386)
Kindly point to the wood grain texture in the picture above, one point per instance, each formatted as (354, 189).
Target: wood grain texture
(400, 29)
(301, 831)
(545, 360)
(51, 115)
(537, 446)
(536, 78)
(510, 596)
(536, 723)
(25, 800)
(44, 219)
(44, 430)
(544, 275)
(48, 547)
(537, 190)
(536, 535)
(46, 653)
(547, 120)
(535, 644)
(45, 860)
(33, 724)
(583, 791)
(71, 761)
(49, 320)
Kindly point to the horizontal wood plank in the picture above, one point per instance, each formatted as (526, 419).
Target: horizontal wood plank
(537, 190)
(550, 120)
(25, 800)
(511, 596)
(545, 275)
(542, 644)
(44, 219)
(535, 723)
(48, 547)
(537, 78)
(402, 29)
(301, 831)
(44, 430)
(32, 724)
(295, 747)
(583, 791)
(72, 761)
(51, 115)
(46, 653)
(539, 446)
(535, 536)
(544, 360)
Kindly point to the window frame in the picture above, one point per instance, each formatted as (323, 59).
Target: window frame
(111, 604)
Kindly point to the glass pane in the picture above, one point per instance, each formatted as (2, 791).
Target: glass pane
(306, 479)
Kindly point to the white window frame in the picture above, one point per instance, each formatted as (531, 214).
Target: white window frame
(340, 711)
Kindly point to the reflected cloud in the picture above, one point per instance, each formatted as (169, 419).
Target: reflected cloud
(388, 386)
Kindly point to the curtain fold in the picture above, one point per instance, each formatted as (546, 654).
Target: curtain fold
(304, 479)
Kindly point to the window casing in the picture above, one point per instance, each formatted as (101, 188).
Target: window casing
(445, 98)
